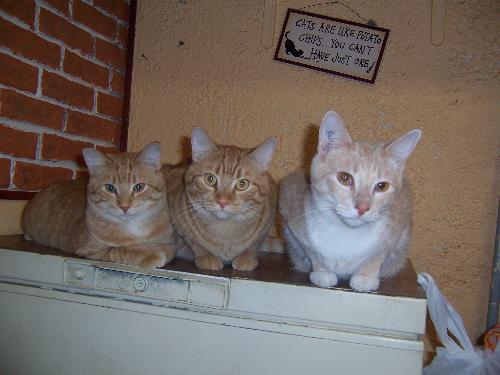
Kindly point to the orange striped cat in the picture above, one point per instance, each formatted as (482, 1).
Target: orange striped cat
(120, 214)
(223, 204)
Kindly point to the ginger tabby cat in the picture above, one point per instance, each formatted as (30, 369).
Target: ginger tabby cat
(120, 214)
(223, 204)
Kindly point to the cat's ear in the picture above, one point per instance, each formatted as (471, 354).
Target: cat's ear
(200, 144)
(94, 159)
(332, 133)
(401, 148)
(263, 154)
(150, 156)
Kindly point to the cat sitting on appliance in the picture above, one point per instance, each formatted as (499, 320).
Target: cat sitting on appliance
(118, 214)
(223, 204)
(350, 217)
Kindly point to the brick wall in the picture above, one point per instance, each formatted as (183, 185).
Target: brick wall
(62, 74)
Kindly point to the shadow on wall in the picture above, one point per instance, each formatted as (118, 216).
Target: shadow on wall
(310, 145)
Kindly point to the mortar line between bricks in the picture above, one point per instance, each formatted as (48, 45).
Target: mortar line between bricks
(67, 164)
(37, 17)
(70, 10)
(12, 170)
(39, 82)
(105, 12)
(99, 9)
(16, 21)
(50, 69)
(56, 41)
(55, 102)
(78, 24)
(34, 128)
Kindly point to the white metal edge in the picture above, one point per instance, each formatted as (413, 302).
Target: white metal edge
(240, 322)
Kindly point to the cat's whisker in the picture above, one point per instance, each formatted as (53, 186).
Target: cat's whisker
(353, 211)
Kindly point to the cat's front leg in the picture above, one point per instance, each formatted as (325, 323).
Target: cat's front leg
(93, 253)
(202, 258)
(205, 260)
(366, 279)
(247, 261)
(91, 248)
(209, 262)
(320, 275)
(147, 256)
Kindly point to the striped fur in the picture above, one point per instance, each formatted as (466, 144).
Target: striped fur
(215, 233)
(81, 217)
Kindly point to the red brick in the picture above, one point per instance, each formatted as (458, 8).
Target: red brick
(18, 143)
(86, 70)
(23, 10)
(61, 5)
(93, 127)
(108, 150)
(123, 35)
(118, 83)
(110, 54)
(34, 177)
(109, 105)
(60, 148)
(4, 172)
(94, 19)
(59, 28)
(22, 108)
(18, 74)
(118, 8)
(81, 174)
(27, 44)
(66, 91)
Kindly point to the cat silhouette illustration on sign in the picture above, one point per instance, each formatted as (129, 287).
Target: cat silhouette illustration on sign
(290, 47)
(330, 45)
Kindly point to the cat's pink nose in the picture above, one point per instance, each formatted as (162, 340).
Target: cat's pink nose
(125, 208)
(222, 203)
(362, 208)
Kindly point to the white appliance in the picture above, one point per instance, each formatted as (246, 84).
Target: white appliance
(65, 315)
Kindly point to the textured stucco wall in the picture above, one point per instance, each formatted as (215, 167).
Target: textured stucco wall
(201, 63)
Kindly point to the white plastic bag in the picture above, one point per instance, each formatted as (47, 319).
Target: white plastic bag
(454, 359)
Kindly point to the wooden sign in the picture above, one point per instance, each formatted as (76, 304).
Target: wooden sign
(344, 48)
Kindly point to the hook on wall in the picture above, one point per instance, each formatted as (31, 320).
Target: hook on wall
(268, 24)
(437, 22)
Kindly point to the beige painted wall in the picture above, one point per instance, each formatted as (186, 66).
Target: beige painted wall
(222, 79)
(10, 216)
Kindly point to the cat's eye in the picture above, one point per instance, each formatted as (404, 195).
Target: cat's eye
(110, 188)
(382, 186)
(345, 179)
(210, 179)
(242, 184)
(139, 187)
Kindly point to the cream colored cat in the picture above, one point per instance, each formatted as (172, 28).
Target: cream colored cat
(351, 216)
(223, 204)
(119, 215)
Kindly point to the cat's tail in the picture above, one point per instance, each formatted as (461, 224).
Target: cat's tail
(286, 35)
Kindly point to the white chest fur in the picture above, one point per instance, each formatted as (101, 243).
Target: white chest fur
(137, 228)
(341, 248)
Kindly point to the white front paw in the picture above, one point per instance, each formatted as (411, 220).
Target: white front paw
(364, 283)
(323, 279)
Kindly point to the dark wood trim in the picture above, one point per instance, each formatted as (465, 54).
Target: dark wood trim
(128, 75)
(16, 195)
